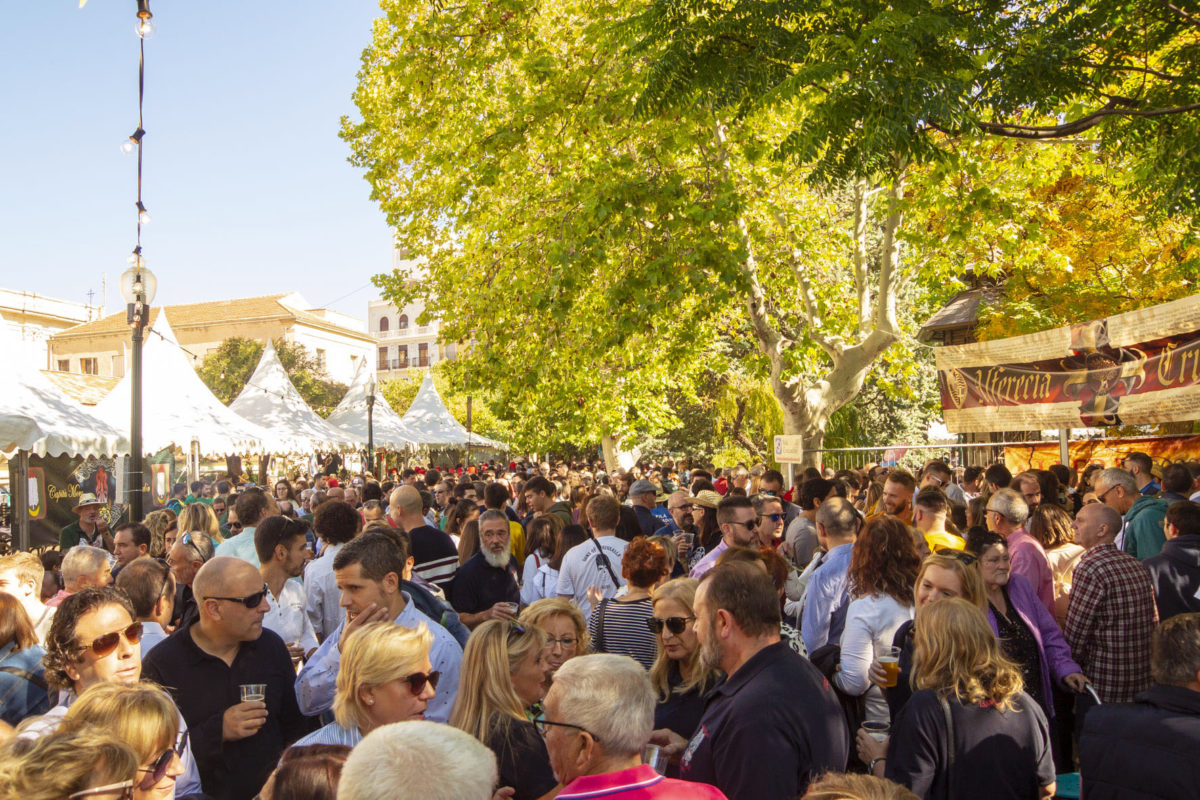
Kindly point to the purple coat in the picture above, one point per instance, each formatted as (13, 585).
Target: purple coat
(1052, 645)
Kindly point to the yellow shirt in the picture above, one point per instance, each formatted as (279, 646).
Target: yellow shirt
(516, 542)
(943, 540)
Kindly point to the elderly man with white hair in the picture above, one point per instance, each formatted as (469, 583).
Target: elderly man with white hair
(83, 567)
(599, 715)
(418, 761)
(1007, 512)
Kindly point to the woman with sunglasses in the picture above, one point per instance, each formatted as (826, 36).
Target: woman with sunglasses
(84, 764)
(618, 625)
(503, 678)
(385, 676)
(681, 678)
(143, 717)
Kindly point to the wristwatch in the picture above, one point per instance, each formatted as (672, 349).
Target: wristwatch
(874, 761)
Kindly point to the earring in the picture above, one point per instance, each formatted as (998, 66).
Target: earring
(370, 701)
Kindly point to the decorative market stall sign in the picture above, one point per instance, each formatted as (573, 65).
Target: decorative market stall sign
(1137, 368)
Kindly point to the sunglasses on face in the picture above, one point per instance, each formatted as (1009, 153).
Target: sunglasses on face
(675, 625)
(106, 644)
(235, 526)
(772, 517)
(249, 601)
(417, 681)
(125, 788)
(158, 770)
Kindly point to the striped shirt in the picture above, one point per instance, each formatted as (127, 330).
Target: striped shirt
(435, 558)
(333, 733)
(620, 628)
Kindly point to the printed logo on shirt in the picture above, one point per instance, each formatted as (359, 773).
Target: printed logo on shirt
(697, 739)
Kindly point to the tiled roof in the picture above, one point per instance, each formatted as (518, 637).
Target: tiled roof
(214, 312)
(961, 312)
(86, 389)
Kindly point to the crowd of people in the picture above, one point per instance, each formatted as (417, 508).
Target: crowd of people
(537, 631)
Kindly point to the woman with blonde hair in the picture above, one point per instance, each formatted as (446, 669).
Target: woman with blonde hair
(142, 716)
(566, 630)
(502, 678)
(85, 763)
(157, 522)
(200, 517)
(969, 730)
(680, 677)
(946, 573)
(384, 676)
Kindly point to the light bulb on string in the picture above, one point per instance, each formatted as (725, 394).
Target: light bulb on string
(145, 28)
(143, 214)
(127, 146)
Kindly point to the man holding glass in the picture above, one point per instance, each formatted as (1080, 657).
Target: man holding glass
(205, 665)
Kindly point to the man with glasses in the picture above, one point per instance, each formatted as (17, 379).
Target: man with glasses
(94, 638)
(252, 507)
(599, 714)
(185, 558)
(237, 742)
(1006, 515)
(739, 528)
(1142, 533)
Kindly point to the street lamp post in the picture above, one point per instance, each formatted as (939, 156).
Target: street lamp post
(138, 287)
(371, 425)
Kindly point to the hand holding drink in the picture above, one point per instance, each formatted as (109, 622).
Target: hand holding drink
(888, 658)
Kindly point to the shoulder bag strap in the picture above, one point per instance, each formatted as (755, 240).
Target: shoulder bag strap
(24, 674)
(949, 743)
(600, 626)
(603, 559)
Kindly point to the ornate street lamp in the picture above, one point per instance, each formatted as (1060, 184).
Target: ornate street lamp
(138, 287)
(371, 386)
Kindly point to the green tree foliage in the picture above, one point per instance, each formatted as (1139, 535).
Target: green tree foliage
(227, 369)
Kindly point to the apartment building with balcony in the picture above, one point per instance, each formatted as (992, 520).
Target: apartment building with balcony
(401, 344)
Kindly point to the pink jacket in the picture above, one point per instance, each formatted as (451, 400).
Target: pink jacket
(1029, 561)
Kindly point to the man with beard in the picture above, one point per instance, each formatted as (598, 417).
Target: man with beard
(485, 587)
(745, 728)
(898, 492)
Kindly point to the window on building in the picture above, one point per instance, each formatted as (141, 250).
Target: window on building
(320, 359)
(64, 365)
(89, 366)
(383, 358)
(402, 353)
(383, 324)
(118, 366)
(422, 355)
(402, 323)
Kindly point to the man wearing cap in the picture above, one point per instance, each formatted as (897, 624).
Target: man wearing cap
(91, 528)
(642, 496)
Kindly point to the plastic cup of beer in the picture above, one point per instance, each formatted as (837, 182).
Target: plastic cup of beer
(254, 692)
(877, 730)
(653, 755)
(888, 657)
(508, 608)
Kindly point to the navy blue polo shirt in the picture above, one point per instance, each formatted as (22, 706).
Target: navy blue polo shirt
(478, 585)
(768, 729)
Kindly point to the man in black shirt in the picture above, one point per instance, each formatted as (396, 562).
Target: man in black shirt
(435, 558)
(749, 743)
(486, 586)
(236, 743)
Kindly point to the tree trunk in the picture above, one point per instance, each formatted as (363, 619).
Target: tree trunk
(609, 445)
(233, 467)
(264, 461)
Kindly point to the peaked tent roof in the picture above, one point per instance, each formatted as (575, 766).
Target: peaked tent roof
(176, 405)
(269, 399)
(36, 415)
(433, 423)
(350, 416)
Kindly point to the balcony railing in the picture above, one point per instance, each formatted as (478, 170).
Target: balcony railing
(409, 332)
(386, 364)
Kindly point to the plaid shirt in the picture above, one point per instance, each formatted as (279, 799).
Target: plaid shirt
(1110, 621)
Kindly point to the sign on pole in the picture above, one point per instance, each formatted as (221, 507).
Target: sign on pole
(789, 449)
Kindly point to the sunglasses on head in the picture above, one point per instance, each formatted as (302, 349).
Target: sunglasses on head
(187, 539)
(249, 601)
(104, 645)
(675, 625)
(962, 555)
(158, 770)
(416, 682)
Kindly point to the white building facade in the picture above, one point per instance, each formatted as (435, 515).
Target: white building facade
(36, 318)
(401, 343)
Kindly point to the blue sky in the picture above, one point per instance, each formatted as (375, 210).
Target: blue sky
(244, 174)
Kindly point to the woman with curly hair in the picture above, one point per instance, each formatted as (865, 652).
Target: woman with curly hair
(618, 625)
(883, 570)
(969, 730)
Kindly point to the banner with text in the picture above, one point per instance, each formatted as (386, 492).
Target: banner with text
(1138, 368)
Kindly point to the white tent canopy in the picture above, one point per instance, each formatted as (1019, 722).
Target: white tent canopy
(434, 425)
(269, 399)
(176, 405)
(36, 416)
(350, 416)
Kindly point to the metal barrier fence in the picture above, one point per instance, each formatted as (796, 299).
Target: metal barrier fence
(913, 457)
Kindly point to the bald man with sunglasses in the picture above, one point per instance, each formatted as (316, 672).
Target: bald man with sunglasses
(94, 638)
(237, 743)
